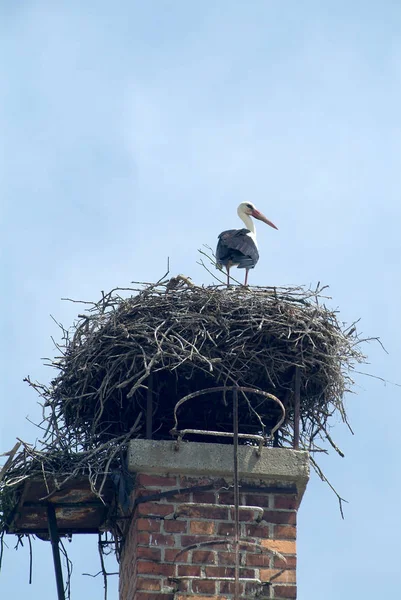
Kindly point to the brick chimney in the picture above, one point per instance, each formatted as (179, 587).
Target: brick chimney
(179, 540)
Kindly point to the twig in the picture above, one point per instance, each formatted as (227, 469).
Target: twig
(324, 478)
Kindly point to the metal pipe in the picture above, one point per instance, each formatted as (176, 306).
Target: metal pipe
(54, 539)
(236, 493)
(225, 388)
(297, 403)
(245, 436)
(149, 408)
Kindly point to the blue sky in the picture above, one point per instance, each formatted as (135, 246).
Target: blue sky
(130, 131)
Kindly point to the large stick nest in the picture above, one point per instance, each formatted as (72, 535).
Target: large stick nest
(160, 342)
(171, 339)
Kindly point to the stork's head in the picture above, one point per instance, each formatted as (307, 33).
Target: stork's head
(247, 208)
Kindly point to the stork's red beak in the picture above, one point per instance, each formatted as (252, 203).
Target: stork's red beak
(258, 215)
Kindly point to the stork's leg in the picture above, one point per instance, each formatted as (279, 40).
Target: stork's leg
(228, 275)
(246, 276)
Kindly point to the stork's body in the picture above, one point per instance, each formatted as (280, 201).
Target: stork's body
(238, 247)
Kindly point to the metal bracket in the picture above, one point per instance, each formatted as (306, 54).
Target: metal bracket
(261, 439)
(55, 539)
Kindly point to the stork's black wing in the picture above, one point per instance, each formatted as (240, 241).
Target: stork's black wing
(236, 247)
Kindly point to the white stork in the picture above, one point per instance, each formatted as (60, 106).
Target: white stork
(238, 247)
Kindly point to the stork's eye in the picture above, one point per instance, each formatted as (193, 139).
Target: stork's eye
(249, 206)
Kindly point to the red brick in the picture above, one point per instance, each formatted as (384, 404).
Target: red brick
(285, 591)
(289, 502)
(226, 558)
(256, 589)
(203, 557)
(152, 543)
(285, 532)
(228, 572)
(202, 527)
(148, 525)
(225, 529)
(219, 572)
(289, 563)
(281, 518)
(275, 576)
(189, 540)
(262, 531)
(248, 573)
(156, 480)
(203, 587)
(154, 508)
(155, 539)
(150, 553)
(174, 526)
(157, 596)
(226, 498)
(205, 497)
(282, 546)
(140, 492)
(203, 512)
(181, 597)
(182, 585)
(246, 515)
(258, 560)
(171, 555)
(189, 570)
(199, 481)
(180, 497)
(228, 587)
(143, 583)
(143, 538)
(258, 500)
(146, 567)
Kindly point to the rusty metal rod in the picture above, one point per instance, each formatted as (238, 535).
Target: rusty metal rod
(226, 388)
(55, 539)
(182, 432)
(297, 403)
(149, 408)
(236, 494)
(199, 577)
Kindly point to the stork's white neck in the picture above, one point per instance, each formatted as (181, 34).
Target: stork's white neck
(249, 224)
